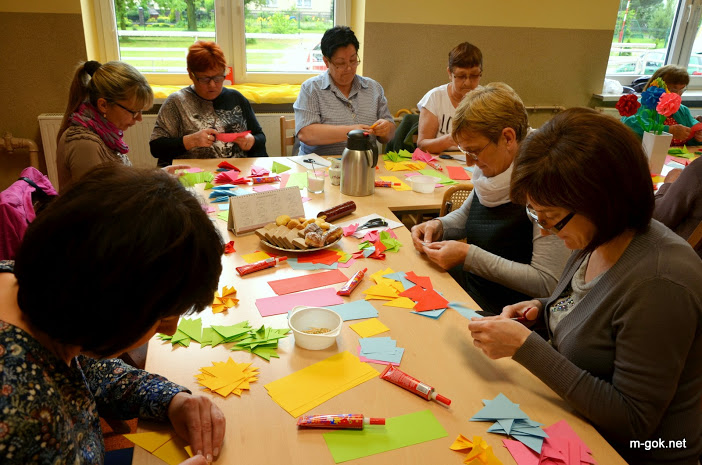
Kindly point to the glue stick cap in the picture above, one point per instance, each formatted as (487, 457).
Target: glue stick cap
(443, 400)
(377, 421)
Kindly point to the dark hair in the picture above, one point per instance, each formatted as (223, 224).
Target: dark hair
(121, 249)
(338, 36)
(465, 55)
(588, 163)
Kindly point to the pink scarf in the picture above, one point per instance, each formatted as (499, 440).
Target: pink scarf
(88, 116)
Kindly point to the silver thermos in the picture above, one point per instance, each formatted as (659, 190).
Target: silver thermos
(358, 164)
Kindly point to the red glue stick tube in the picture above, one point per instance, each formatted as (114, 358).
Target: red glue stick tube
(351, 284)
(260, 265)
(264, 179)
(402, 379)
(387, 184)
(436, 166)
(342, 421)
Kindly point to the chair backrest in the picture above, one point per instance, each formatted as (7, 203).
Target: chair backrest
(454, 197)
(695, 239)
(285, 139)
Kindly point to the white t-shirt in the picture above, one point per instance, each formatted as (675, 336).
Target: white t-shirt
(439, 103)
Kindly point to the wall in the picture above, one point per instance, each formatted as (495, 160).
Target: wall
(40, 44)
(553, 54)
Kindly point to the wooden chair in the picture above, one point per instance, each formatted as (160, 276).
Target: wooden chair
(454, 197)
(286, 140)
(695, 239)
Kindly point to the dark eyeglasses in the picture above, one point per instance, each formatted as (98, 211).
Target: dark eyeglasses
(207, 79)
(351, 64)
(473, 155)
(556, 228)
(135, 114)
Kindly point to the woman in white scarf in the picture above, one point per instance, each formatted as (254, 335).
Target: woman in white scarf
(505, 257)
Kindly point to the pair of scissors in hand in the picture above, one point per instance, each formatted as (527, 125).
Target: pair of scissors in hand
(374, 223)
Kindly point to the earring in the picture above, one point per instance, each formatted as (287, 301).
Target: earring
(104, 115)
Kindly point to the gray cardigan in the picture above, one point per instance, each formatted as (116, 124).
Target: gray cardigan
(629, 355)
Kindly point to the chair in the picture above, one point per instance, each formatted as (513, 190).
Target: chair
(286, 140)
(10, 143)
(695, 239)
(454, 197)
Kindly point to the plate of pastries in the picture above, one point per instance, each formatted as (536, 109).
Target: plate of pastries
(299, 234)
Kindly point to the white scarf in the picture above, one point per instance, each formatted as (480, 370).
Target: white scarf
(492, 191)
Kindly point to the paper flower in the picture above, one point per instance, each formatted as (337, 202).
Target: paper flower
(628, 105)
(668, 104)
(650, 97)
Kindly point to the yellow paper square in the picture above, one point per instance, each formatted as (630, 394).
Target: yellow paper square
(173, 452)
(401, 302)
(255, 257)
(369, 328)
(379, 274)
(394, 179)
(150, 441)
(381, 290)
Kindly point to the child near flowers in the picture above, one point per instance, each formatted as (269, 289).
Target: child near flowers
(669, 79)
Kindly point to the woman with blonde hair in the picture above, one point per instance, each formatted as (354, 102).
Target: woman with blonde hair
(504, 256)
(679, 123)
(104, 101)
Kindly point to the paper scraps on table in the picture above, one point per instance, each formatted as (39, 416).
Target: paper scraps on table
(304, 160)
(259, 171)
(166, 445)
(562, 447)
(231, 136)
(511, 420)
(397, 183)
(350, 229)
(401, 431)
(231, 176)
(268, 306)
(229, 248)
(360, 221)
(227, 166)
(224, 301)
(381, 350)
(478, 451)
(443, 179)
(457, 173)
(190, 179)
(326, 256)
(263, 188)
(356, 310)
(309, 281)
(387, 238)
(465, 311)
(397, 157)
(369, 328)
(262, 342)
(225, 378)
(296, 179)
(404, 166)
(309, 387)
(224, 215)
(421, 155)
(278, 168)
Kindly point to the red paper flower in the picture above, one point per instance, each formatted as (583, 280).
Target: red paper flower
(628, 105)
(229, 247)
(668, 104)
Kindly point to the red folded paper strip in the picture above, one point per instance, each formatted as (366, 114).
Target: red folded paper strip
(231, 136)
(227, 165)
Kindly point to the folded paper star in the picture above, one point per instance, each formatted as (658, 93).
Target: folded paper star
(224, 301)
(478, 451)
(229, 248)
(279, 168)
(225, 164)
(225, 378)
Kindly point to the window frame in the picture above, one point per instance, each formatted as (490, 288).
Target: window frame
(686, 22)
(230, 35)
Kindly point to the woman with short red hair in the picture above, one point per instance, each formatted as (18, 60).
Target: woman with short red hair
(190, 119)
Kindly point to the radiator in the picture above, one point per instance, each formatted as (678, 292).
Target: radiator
(137, 137)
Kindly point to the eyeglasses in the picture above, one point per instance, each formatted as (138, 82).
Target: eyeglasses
(135, 114)
(556, 228)
(351, 64)
(206, 79)
(472, 77)
(473, 155)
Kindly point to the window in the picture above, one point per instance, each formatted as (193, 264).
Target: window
(266, 41)
(651, 33)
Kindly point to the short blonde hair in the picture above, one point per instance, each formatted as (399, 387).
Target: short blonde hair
(671, 74)
(489, 110)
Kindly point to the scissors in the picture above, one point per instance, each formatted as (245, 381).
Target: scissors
(447, 157)
(374, 223)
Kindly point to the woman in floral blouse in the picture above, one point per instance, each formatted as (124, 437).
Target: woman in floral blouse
(117, 257)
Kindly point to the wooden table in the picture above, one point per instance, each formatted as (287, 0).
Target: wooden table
(438, 352)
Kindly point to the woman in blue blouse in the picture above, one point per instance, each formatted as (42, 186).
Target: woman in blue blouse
(99, 272)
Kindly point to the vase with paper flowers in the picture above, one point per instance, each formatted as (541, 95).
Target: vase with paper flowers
(658, 104)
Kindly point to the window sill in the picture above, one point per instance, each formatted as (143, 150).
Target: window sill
(255, 93)
(690, 96)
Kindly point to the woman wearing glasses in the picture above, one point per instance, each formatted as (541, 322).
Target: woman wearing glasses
(505, 258)
(190, 119)
(104, 101)
(338, 100)
(624, 320)
(436, 109)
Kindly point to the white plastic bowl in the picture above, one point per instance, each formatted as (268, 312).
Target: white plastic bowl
(423, 184)
(303, 318)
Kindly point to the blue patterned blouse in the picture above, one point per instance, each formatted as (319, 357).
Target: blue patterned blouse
(49, 411)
